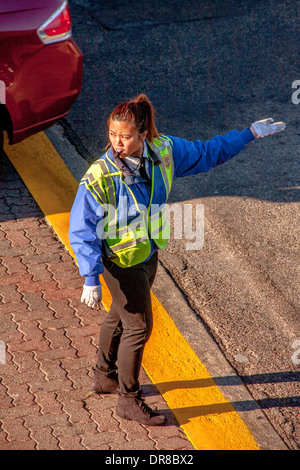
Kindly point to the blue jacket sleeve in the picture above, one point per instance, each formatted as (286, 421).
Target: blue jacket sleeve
(195, 157)
(87, 246)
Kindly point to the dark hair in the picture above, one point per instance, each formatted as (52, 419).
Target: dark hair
(139, 112)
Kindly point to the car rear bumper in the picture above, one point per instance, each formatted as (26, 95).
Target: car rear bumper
(44, 89)
(22, 134)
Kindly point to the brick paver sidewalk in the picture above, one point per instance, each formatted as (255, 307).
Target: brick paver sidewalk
(51, 345)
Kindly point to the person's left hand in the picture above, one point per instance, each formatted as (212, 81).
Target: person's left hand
(266, 127)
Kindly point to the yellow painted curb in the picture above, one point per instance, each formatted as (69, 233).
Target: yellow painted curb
(208, 419)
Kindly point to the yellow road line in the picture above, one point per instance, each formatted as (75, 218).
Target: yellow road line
(208, 419)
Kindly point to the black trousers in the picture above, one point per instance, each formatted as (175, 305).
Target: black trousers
(128, 325)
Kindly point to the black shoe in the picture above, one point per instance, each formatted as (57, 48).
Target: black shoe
(104, 384)
(134, 408)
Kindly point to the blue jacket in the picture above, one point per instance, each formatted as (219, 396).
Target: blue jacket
(190, 158)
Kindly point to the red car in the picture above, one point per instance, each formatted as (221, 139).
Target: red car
(40, 66)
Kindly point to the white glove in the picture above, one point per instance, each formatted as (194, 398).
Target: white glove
(266, 127)
(91, 295)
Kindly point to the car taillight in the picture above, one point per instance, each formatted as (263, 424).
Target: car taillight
(58, 27)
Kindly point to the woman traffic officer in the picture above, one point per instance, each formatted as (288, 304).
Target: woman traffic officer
(117, 226)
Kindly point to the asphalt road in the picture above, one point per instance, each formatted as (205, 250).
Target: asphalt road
(209, 67)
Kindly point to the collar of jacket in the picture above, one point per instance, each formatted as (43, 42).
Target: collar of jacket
(149, 153)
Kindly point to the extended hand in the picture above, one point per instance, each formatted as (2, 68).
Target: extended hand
(266, 127)
(91, 295)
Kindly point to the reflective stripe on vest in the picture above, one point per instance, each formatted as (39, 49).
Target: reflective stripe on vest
(163, 152)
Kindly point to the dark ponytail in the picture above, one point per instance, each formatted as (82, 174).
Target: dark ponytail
(139, 112)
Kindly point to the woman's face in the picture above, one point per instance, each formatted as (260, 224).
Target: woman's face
(124, 137)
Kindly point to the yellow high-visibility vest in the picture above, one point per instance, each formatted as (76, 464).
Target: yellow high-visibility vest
(128, 244)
